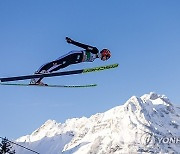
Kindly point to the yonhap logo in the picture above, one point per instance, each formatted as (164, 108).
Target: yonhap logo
(149, 139)
(169, 140)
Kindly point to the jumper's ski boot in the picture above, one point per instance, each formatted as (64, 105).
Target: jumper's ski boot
(36, 81)
(40, 83)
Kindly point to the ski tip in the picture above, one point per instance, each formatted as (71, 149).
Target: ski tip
(101, 68)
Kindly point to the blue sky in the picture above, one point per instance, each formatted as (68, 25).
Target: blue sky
(143, 37)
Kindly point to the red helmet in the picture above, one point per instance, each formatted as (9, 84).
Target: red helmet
(106, 52)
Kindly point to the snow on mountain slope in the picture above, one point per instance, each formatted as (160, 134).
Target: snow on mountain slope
(146, 124)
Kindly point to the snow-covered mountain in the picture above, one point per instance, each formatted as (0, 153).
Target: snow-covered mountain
(149, 123)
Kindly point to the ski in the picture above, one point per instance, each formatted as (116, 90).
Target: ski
(81, 71)
(52, 86)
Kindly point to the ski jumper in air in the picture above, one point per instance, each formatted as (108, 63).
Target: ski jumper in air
(88, 54)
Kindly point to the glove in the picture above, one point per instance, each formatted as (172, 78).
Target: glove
(68, 40)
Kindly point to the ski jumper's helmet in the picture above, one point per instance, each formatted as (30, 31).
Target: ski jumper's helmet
(106, 52)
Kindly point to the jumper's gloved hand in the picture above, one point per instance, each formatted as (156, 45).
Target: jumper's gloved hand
(68, 40)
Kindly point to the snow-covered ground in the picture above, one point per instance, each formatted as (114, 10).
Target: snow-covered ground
(146, 124)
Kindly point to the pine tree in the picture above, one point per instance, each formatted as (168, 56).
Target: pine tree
(6, 147)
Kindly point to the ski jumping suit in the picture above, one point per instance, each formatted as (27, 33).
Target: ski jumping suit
(88, 55)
